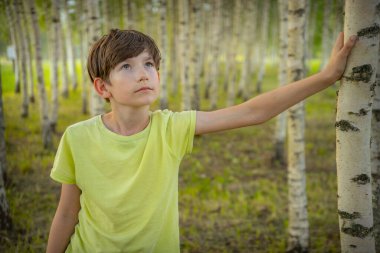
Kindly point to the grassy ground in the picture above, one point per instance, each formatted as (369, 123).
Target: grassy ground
(232, 198)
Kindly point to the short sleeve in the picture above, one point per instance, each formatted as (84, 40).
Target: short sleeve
(63, 170)
(180, 132)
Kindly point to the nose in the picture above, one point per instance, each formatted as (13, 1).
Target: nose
(142, 74)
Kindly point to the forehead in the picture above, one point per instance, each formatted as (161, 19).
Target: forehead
(144, 55)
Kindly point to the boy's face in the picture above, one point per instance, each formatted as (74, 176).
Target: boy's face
(134, 82)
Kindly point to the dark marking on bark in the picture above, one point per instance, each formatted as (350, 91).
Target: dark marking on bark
(362, 112)
(361, 73)
(353, 246)
(376, 176)
(357, 230)
(298, 73)
(369, 32)
(376, 115)
(361, 179)
(298, 12)
(346, 126)
(372, 89)
(350, 216)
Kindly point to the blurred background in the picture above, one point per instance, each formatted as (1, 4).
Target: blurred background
(215, 53)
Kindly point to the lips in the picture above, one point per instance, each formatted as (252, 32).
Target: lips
(145, 88)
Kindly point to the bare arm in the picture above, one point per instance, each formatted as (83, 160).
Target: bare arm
(266, 106)
(65, 219)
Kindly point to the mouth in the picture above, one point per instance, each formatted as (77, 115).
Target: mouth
(145, 88)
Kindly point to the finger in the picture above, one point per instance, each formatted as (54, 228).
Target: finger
(338, 43)
(349, 45)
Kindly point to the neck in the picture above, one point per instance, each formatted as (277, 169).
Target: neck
(127, 121)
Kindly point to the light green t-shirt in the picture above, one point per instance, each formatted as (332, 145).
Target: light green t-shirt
(129, 184)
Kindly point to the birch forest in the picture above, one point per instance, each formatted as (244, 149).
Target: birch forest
(305, 181)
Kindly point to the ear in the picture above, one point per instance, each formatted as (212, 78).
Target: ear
(101, 88)
(158, 73)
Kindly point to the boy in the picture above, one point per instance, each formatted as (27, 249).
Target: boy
(119, 171)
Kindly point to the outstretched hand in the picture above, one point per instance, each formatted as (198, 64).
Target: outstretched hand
(338, 59)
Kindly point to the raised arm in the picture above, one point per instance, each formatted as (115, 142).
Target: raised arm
(65, 219)
(265, 106)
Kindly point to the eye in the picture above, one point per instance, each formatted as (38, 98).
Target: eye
(126, 66)
(149, 64)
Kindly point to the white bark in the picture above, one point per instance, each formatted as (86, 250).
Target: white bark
(56, 40)
(11, 17)
(233, 51)
(125, 13)
(164, 56)
(280, 133)
(22, 58)
(196, 65)
(215, 49)
(68, 26)
(375, 157)
(65, 50)
(326, 32)
(43, 102)
(250, 29)
(298, 237)
(84, 28)
(183, 43)
(263, 45)
(28, 51)
(353, 122)
(174, 52)
(96, 102)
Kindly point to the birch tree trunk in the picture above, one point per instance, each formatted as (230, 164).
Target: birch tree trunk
(28, 50)
(23, 59)
(184, 66)
(196, 65)
(83, 8)
(12, 31)
(96, 102)
(250, 29)
(71, 55)
(56, 40)
(353, 122)
(125, 13)
(215, 48)
(43, 102)
(280, 133)
(174, 52)
(233, 50)
(164, 55)
(5, 218)
(263, 45)
(375, 156)
(326, 33)
(298, 234)
(64, 53)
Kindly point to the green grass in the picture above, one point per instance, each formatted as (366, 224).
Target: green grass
(231, 197)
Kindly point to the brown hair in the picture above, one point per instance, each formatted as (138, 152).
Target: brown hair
(117, 46)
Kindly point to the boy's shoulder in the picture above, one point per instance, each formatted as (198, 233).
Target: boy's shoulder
(84, 124)
(168, 115)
